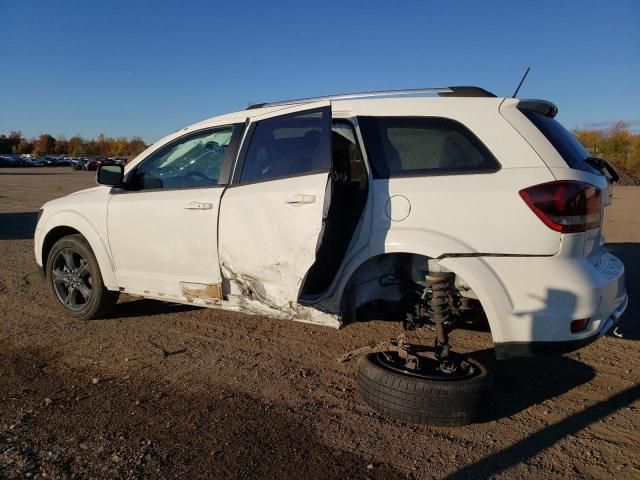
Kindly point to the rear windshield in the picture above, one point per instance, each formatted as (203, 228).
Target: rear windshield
(401, 146)
(567, 145)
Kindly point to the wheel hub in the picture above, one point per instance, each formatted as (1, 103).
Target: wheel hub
(425, 364)
(71, 279)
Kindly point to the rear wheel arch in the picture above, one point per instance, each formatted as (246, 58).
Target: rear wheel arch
(491, 294)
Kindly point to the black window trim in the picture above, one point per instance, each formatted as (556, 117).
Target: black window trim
(572, 162)
(225, 170)
(237, 173)
(433, 172)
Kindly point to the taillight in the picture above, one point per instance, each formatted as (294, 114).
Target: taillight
(566, 206)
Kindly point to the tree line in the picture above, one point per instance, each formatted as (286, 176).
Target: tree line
(617, 144)
(75, 146)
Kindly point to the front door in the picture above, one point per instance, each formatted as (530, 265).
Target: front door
(163, 232)
(271, 218)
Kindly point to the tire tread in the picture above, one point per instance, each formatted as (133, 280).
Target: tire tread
(424, 401)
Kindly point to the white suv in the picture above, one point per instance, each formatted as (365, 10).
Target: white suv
(311, 209)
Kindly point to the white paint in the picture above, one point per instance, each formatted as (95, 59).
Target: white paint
(264, 240)
(397, 208)
(269, 240)
(157, 240)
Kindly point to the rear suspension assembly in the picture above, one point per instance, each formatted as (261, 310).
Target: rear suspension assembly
(439, 284)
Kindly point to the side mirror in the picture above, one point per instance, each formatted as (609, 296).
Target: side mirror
(111, 175)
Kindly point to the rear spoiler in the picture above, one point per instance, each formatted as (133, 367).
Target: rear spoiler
(544, 107)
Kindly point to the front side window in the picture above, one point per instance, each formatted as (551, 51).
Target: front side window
(400, 146)
(289, 145)
(193, 161)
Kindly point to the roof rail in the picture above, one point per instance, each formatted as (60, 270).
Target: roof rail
(467, 91)
(441, 92)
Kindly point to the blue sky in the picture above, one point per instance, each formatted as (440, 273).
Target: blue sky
(150, 67)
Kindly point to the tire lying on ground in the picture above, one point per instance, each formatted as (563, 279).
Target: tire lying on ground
(426, 401)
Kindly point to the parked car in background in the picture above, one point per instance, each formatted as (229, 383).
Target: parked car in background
(78, 163)
(35, 162)
(8, 162)
(56, 161)
(92, 164)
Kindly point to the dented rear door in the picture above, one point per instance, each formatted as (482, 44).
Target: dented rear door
(271, 216)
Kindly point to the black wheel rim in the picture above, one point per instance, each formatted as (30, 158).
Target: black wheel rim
(72, 279)
(428, 366)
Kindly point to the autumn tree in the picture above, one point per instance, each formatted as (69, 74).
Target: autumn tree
(15, 137)
(5, 144)
(119, 147)
(617, 144)
(102, 144)
(25, 146)
(136, 146)
(62, 146)
(45, 144)
(75, 146)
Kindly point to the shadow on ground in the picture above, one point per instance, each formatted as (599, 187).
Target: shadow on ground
(523, 382)
(530, 446)
(212, 433)
(145, 308)
(18, 226)
(629, 253)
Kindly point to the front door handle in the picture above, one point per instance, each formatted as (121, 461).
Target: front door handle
(299, 199)
(198, 206)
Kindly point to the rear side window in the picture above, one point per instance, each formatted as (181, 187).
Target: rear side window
(567, 145)
(289, 145)
(399, 146)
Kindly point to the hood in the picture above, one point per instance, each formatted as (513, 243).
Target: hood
(88, 195)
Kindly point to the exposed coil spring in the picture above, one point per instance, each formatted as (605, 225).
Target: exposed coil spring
(440, 308)
(439, 301)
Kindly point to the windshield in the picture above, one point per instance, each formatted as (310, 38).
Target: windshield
(567, 145)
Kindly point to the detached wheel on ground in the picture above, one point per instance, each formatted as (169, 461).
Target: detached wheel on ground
(421, 397)
(75, 282)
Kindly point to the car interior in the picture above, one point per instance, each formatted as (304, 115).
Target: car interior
(349, 188)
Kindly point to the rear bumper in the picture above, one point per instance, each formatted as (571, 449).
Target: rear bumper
(507, 350)
(530, 302)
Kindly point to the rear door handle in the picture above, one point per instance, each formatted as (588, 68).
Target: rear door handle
(299, 199)
(198, 206)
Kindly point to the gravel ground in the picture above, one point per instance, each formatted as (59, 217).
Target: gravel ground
(170, 391)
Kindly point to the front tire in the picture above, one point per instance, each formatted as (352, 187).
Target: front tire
(75, 282)
(421, 400)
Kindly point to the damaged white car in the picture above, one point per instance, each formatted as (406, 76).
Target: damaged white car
(426, 203)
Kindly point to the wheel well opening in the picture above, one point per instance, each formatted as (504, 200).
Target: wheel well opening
(382, 284)
(51, 238)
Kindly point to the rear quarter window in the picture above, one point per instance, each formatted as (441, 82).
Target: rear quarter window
(565, 143)
(403, 146)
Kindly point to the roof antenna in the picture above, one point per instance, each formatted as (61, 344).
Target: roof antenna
(521, 82)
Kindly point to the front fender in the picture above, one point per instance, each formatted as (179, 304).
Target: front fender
(94, 234)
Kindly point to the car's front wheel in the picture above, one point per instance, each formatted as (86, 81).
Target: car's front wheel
(74, 280)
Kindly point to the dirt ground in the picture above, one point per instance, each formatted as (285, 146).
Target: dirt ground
(166, 391)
